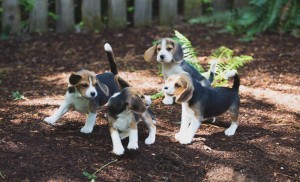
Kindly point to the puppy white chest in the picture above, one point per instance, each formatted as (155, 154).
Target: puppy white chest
(80, 104)
(169, 69)
(187, 110)
(123, 121)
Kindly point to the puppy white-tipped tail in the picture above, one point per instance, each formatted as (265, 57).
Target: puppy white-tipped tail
(213, 67)
(107, 47)
(231, 73)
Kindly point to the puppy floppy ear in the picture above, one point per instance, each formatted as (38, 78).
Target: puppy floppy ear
(178, 52)
(136, 104)
(186, 94)
(149, 54)
(104, 88)
(74, 79)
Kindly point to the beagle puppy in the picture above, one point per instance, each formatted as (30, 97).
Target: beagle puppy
(170, 54)
(199, 102)
(87, 91)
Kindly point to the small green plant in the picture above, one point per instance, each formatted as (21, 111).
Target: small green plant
(53, 15)
(157, 95)
(93, 177)
(27, 4)
(17, 95)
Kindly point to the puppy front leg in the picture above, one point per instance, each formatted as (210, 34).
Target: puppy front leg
(63, 108)
(188, 136)
(89, 124)
(133, 136)
(168, 100)
(185, 121)
(118, 148)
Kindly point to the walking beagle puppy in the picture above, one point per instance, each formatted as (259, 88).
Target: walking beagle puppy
(170, 54)
(199, 102)
(124, 111)
(87, 91)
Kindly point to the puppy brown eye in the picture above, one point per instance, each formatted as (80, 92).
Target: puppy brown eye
(169, 49)
(177, 85)
(158, 49)
(85, 85)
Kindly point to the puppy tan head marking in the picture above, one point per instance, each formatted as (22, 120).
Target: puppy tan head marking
(84, 82)
(180, 86)
(167, 50)
(136, 100)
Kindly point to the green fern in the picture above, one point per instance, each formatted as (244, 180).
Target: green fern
(227, 62)
(225, 57)
(189, 52)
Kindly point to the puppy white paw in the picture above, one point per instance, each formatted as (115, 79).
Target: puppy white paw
(133, 145)
(178, 136)
(118, 150)
(186, 140)
(50, 120)
(86, 129)
(229, 132)
(168, 100)
(149, 140)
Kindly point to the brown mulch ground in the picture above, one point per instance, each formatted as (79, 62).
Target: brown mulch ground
(265, 147)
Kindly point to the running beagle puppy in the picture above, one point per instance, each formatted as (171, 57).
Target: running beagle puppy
(170, 54)
(87, 91)
(200, 102)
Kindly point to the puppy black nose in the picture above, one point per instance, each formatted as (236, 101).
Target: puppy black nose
(165, 88)
(162, 56)
(93, 94)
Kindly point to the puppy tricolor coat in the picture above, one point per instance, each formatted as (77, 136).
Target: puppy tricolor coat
(170, 54)
(200, 102)
(87, 91)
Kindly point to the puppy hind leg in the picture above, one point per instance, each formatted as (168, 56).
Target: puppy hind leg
(149, 119)
(234, 122)
(89, 124)
(63, 108)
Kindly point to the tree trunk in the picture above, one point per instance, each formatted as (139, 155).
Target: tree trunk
(91, 15)
(142, 12)
(11, 16)
(65, 11)
(192, 9)
(39, 16)
(117, 13)
(168, 12)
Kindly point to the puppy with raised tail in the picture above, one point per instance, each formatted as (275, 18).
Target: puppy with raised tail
(87, 91)
(200, 102)
(170, 54)
(124, 111)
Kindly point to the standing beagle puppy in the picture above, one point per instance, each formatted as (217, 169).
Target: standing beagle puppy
(200, 102)
(124, 112)
(170, 54)
(87, 91)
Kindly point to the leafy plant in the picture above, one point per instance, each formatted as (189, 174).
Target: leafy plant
(157, 95)
(2, 176)
(27, 4)
(226, 61)
(17, 95)
(53, 15)
(93, 177)
(260, 16)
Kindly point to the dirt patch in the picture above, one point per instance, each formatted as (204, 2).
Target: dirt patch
(265, 147)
